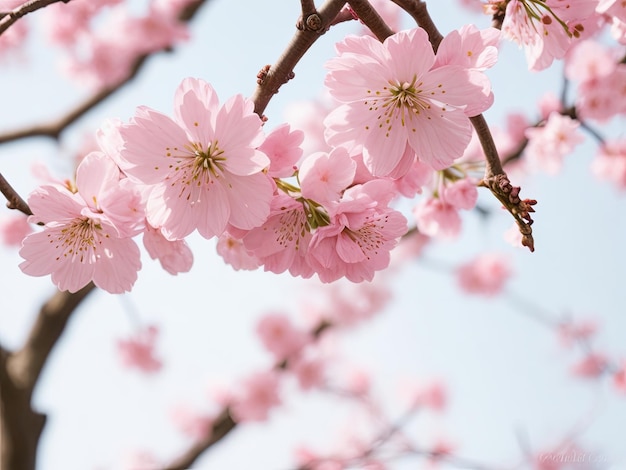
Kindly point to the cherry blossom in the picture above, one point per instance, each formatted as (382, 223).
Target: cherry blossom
(138, 351)
(361, 232)
(203, 166)
(192, 423)
(484, 275)
(235, 253)
(283, 147)
(86, 236)
(549, 143)
(436, 218)
(324, 176)
(397, 104)
(461, 194)
(175, 256)
(546, 30)
(591, 366)
(259, 393)
(310, 372)
(281, 243)
(13, 229)
(280, 336)
(610, 163)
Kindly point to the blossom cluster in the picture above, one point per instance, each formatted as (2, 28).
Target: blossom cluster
(403, 116)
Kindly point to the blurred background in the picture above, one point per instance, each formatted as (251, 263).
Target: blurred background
(510, 388)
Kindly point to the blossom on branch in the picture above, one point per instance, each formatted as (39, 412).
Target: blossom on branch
(399, 104)
(87, 234)
(203, 166)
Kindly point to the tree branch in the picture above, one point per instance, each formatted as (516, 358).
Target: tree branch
(371, 18)
(271, 78)
(495, 178)
(20, 425)
(7, 19)
(14, 200)
(55, 128)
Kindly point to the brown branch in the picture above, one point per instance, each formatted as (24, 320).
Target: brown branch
(14, 200)
(495, 178)
(55, 128)
(417, 9)
(370, 17)
(9, 18)
(272, 78)
(20, 425)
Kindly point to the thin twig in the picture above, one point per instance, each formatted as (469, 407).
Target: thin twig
(55, 128)
(370, 17)
(272, 78)
(14, 200)
(9, 18)
(495, 178)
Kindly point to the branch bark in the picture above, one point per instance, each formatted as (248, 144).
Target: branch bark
(55, 128)
(371, 18)
(20, 425)
(273, 77)
(495, 177)
(14, 200)
(9, 18)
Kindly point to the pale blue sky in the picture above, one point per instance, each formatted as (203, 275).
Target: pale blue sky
(506, 373)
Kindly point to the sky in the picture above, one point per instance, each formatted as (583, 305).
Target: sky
(507, 377)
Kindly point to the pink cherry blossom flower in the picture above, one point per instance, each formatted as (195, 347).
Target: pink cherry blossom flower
(234, 252)
(461, 194)
(13, 229)
(436, 218)
(361, 233)
(589, 60)
(484, 275)
(592, 366)
(614, 8)
(474, 50)
(603, 97)
(175, 256)
(308, 371)
(283, 147)
(610, 163)
(546, 30)
(280, 336)
(397, 105)
(138, 351)
(259, 393)
(13, 38)
(418, 176)
(192, 423)
(86, 236)
(548, 144)
(203, 165)
(281, 243)
(324, 176)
